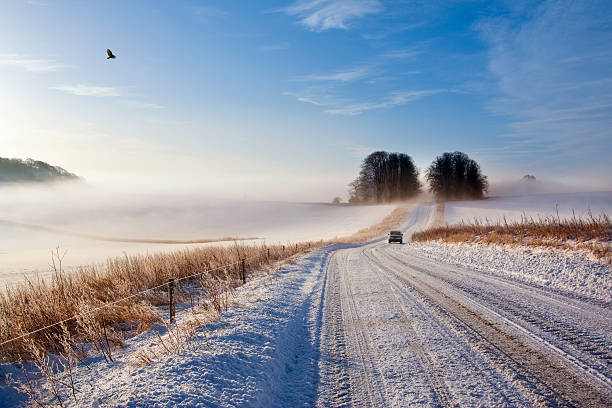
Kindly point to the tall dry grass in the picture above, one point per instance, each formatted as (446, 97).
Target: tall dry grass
(27, 308)
(590, 233)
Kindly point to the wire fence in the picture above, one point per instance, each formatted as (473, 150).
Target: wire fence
(134, 295)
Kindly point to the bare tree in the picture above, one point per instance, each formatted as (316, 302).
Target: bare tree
(385, 177)
(454, 176)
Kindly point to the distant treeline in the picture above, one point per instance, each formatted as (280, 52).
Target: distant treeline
(386, 177)
(18, 170)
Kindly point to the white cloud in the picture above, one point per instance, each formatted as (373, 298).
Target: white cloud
(339, 106)
(30, 64)
(88, 90)
(394, 99)
(343, 76)
(304, 98)
(320, 15)
(407, 52)
(552, 65)
(318, 96)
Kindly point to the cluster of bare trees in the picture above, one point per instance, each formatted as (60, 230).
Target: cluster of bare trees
(386, 177)
(454, 176)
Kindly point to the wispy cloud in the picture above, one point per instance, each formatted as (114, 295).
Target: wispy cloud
(304, 98)
(393, 99)
(557, 94)
(374, 68)
(320, 15)
(31, 64)
(88, 90)
(405, 52)
(318, 96)
(340, 106)
(275, 47)
(342, 76)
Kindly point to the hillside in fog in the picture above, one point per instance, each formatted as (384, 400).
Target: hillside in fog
(30, 170)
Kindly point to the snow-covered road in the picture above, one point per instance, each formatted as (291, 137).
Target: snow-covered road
(401, 329)
(379, 325)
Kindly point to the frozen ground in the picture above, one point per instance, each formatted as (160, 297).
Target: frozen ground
(531, 205)
(379, 325)
(26, 252)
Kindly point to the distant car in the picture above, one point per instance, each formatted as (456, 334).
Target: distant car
(396, 236)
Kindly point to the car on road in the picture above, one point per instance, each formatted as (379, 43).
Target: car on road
(396, 236)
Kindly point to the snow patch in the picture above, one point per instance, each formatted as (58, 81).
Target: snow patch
(572, 273)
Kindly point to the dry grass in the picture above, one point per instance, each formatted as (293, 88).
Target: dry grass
(29, 307)
(391, 221)
(592, 233)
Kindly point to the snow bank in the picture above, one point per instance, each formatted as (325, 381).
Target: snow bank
(567, 272)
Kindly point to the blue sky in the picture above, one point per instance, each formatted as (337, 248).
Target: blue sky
(285, 98)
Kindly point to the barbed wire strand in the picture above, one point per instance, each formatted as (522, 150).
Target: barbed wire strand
(95, 309)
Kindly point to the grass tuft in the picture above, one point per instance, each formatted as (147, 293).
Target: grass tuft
(591, 233)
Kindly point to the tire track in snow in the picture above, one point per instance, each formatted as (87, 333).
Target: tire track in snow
(577, 335)
(442, 394)
(551, 383)
(334, 389)
(369, 372)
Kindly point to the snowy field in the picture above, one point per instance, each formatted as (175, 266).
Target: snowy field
(383, 325)
(26, 252)
(531, 205)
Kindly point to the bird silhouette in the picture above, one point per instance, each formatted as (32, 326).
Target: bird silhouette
(110, 54)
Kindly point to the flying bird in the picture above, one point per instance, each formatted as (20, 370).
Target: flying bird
(110, 54)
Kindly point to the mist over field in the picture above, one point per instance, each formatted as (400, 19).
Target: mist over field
(515, 207)
(118, 214)
(524, 186)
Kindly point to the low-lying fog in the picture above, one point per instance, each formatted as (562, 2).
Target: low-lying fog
(109, 213)
(514, 207)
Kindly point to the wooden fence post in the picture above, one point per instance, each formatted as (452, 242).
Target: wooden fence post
(268, 255)
(171, 296)
(243, 272)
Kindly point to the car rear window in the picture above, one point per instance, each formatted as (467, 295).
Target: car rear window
(396, 232)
